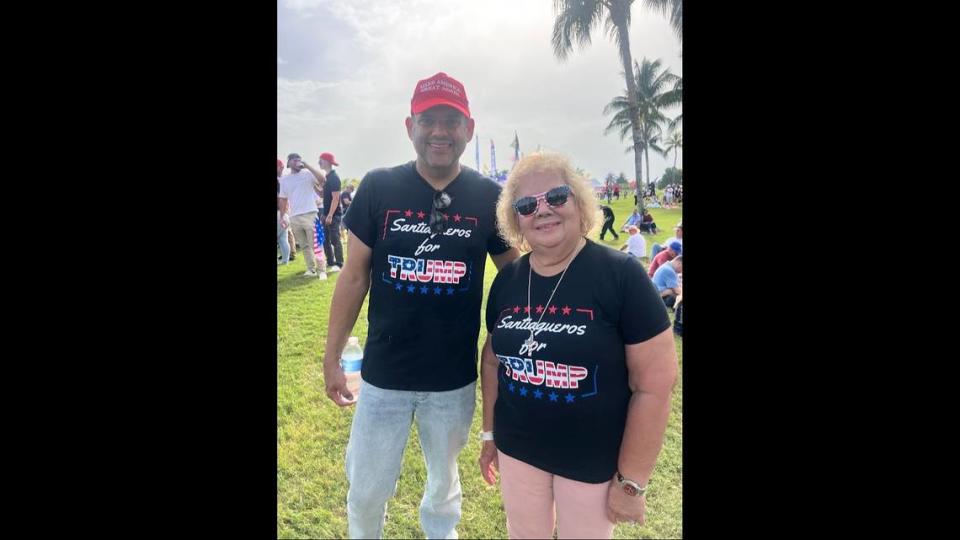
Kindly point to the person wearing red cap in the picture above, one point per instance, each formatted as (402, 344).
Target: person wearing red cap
(419, 237)
(331, 221)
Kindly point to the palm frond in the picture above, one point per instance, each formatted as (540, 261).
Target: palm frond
(574, 24)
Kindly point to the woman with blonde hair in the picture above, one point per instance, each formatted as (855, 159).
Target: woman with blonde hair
(578, 366)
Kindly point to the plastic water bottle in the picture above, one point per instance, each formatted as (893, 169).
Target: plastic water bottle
(350, 361)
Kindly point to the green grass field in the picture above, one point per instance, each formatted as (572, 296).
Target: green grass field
(312, 432)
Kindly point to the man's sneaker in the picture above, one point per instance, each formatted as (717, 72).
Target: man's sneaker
(310, 273)
(322, 275)
(333, 269)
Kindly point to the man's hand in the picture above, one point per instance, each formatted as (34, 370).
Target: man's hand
(336, 383)
(622, 507)
(284, 223)
(488, 462)
(329, 220)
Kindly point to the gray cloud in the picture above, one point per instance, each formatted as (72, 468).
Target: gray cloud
(349, 70)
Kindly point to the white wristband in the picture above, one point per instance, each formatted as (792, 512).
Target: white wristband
(486, 435)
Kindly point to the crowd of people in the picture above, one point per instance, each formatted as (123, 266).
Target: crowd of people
(579, 362)
(672, 195)
(610, 191)
(310, 207)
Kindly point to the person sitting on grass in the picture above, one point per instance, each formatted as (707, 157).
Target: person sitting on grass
(647, 224)
(667, 281)
(635, 245)
(633, 219)
(678, 237)
(673, 250)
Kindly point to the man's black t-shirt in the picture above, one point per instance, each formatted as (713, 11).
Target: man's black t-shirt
(563, 409)
(332, 184)
(607, 213)
(425, 291)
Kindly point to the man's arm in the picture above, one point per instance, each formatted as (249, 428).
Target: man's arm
(351, 289)
(488, 389)
(334, 203)
(505, 258)
(318, 176)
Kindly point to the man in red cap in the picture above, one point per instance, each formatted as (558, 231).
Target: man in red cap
(419, 235)
(333, 214)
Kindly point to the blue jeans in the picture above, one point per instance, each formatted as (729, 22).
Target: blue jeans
(284, 243)
(381, 426)
(657, 248)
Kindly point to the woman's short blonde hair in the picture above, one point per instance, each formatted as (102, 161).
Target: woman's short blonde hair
(583, 195)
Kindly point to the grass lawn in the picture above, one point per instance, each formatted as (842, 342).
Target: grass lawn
(312, 432)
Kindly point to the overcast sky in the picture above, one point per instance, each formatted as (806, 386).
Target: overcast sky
(346, 70)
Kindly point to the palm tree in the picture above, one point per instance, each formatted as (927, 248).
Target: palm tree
(655, 91)
(676, 97)
(674, 142)
(576, 20)
(672, 8)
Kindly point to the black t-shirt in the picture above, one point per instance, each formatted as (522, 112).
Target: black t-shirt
(332, 184)
(607, 212)
(425, 292)
(564, 409)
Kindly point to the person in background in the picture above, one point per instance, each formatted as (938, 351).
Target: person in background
(636, 245)
(667, 281)
(673, 250)
(298, 191)
(677, 237)
(608, 219)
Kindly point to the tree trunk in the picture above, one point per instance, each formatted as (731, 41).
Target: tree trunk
(619, 10)
(675, 150)
(646, 155)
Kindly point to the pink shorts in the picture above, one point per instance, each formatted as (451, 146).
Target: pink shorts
(534, 499)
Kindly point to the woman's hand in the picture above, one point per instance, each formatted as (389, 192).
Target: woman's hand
(622, 507)
(488, 462)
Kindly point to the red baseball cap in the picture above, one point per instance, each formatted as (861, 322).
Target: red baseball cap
(441, 89)
(327, 156)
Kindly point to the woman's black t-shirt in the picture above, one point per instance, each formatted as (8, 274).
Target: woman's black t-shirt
(563, 409)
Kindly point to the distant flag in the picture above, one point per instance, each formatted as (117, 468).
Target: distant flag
(516, 147)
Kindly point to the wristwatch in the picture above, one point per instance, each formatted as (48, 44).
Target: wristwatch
(630, 487)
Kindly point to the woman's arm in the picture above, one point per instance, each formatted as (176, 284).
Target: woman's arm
(652, 372)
